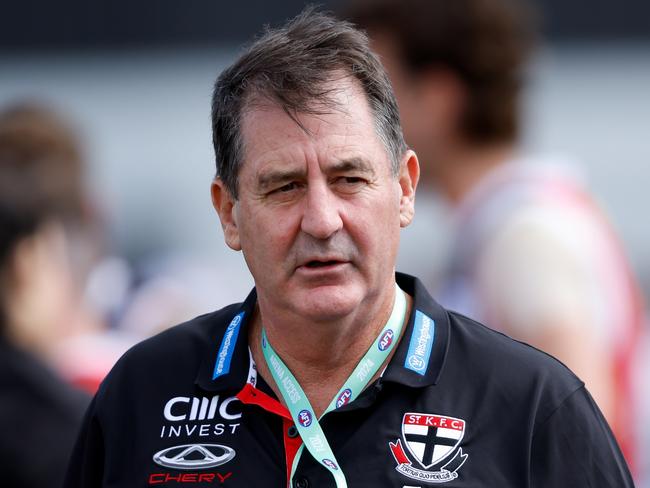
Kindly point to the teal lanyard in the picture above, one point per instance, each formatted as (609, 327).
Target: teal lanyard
(301, 411)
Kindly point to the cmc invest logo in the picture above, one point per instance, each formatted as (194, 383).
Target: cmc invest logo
(182, 408)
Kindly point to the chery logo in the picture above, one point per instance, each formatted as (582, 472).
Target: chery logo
(194, 456)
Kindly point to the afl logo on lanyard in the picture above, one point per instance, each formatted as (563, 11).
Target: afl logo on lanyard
(385, 340)
(304, 417)
(329, 463)
(344, 398)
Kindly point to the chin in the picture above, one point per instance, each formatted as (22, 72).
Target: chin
(326, 303)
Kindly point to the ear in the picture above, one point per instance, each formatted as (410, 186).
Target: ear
(225, 205)
(408, 180)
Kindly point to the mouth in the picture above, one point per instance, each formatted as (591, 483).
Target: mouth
(314, 264)
(320, 265)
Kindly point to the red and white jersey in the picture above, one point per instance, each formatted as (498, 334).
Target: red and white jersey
(531, 245)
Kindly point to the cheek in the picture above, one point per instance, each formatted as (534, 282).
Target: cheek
(377, 232)
(265, 238)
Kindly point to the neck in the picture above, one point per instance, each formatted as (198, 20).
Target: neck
(460, 168)
(321, 355)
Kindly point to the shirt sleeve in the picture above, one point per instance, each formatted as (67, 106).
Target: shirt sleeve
(86, 466)
(575, 447)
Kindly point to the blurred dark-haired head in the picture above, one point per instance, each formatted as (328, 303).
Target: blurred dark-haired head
(40, 181)
(473, 52)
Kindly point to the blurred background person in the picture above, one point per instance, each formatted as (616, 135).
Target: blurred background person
(41, 208)
(532, 254)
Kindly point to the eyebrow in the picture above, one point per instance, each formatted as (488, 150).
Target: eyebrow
(352, 164)
(274, 177)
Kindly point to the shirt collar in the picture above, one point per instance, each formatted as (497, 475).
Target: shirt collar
(417, 362)
(226, 363)
(421, 353)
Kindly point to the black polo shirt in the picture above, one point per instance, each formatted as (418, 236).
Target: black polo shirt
(459, 405)
(40, 417)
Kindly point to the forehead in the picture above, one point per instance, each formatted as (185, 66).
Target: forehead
(343, 131)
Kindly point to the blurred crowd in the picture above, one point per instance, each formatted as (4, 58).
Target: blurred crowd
(531, 252)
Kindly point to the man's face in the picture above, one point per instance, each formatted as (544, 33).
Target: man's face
(319, 212)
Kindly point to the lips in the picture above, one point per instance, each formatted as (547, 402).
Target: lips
(321, 263)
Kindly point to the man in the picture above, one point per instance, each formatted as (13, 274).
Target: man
(532, 255)
(40, 195)
(330, 373)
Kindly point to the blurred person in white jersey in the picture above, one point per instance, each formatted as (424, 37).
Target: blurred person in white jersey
(532, 254)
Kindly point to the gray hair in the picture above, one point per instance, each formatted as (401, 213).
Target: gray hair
(291, 66)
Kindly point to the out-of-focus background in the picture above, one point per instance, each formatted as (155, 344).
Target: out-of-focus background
(134, 79)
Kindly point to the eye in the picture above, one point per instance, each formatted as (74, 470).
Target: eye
(287, 188)
(353, 180)
(349, 182)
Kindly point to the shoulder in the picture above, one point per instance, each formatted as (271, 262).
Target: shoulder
(564, 226)
(181, 338)
(553, 262)
(496, 363)
(174, 353)
(547, 201)
(544, 196)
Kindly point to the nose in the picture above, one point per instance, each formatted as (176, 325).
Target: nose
(321, 215)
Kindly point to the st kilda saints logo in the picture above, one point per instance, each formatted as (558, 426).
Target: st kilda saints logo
(430, 440)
